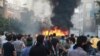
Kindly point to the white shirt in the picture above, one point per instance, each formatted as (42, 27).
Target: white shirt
(19, 45)
(3, 39)
(71, 47)
(77, 52)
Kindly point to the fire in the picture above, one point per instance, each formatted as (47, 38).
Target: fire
(55, 30)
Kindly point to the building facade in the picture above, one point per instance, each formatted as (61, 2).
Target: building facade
(83, 19)
(14, 8)
(2, 7)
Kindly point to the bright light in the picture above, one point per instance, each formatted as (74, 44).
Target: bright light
(57, 31)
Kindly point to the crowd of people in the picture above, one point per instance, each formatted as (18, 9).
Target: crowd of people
(25, 45)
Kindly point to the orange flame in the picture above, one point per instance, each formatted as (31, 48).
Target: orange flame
(55, 30)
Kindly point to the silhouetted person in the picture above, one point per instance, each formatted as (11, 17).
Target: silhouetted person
(54, 35)
(88, 48)
(72, 35)
(78, 48)
(54, 43)
(71, 41)
(19, 45)
(8, 48)
(39, 49)
(25, 51)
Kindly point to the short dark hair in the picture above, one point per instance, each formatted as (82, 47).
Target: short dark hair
(19, 36)
(62, 37)
(88, 35)
(54, 34)
(81, 39)
(72, 39)
(14, 37)
(72, 35)
(40, 38)
(96, 36)
(8, 37)
(98, 45)
(1, 33)
(29, 41)
(92, 36)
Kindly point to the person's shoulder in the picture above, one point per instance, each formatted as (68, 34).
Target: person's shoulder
(72, 51)
(21, 42)
(82, 52)
(6, 43)
(14, 42)
(18, 41)
(98, 53)
(43, 46)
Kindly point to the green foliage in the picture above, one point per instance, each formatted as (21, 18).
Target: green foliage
(15, 26)
(4, 23)
(10, 25)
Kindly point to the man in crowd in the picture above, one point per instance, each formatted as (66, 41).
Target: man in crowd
(8, 48)
(29, 42)
(78, 48)
(19, 45)
(39, 49)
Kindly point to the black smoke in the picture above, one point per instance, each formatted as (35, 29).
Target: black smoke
(63, 10)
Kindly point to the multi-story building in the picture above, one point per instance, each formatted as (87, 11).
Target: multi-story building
(2, 7)
(83, 19)
(15, 7)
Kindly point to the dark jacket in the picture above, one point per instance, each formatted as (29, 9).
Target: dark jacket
(38, 50)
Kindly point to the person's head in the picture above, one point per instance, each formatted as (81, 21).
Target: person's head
(71, 40)
(19, 36)
(29, 41)
(62, 37)
(29, 35)
(1, 33)
(81, 41)
(92, 36)
(50, 36)
(98, 45)
(14, 37)
(88, 35)
(54, 35)
(40, 39)
(8, 37)
(96, 36)
(72, 35)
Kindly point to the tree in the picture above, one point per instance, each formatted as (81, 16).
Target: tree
(4, 23)
(15, 26)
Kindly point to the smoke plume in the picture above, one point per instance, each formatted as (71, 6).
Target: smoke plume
(63, 10)
(33, 17)
(38, 14)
